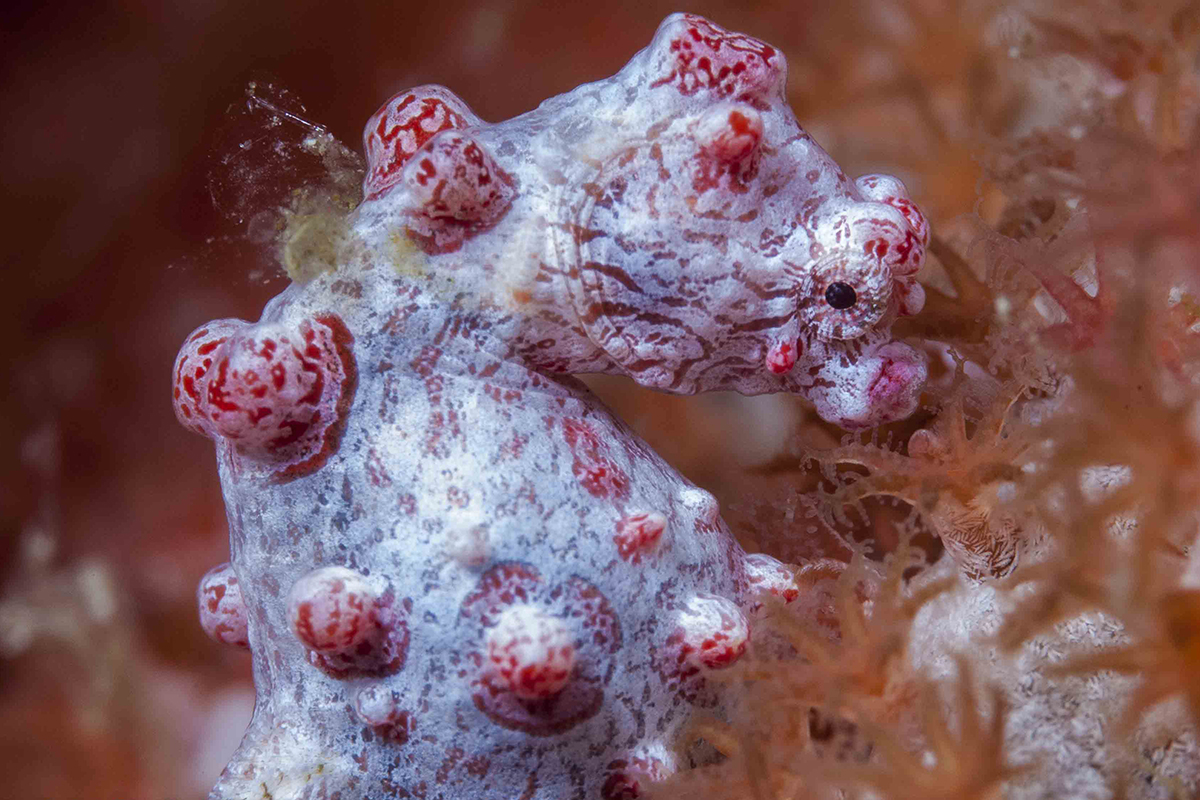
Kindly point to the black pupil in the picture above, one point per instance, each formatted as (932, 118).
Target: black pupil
(840, 295)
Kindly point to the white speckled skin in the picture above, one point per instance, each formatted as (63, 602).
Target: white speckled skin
(437, 447)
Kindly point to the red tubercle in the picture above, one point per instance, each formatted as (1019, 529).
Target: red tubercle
(704, 56)
(628, 778)
(402, 126)
(379, 707)
(710, 633)
(331, 609)
(768, 578)
(729, 132)
(728, 137)
(885, 236)
(336, 345)
(277, 393)
(914, 215)
(891, 191)
(346, 627)
(638, 534)
(457, 190)
(714, 632)
(592, 466)
(910, 297)
(704, 508)
(222, 608)
(544, 651)
(529, 652)
(892, 383)
(192, 366)
(781, 357)
(818, 584)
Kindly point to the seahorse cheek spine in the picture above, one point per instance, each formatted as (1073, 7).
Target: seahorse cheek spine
(458, 574)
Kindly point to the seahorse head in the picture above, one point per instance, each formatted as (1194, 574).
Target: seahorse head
(717, 246)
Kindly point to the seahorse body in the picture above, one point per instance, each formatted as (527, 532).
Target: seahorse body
(459, 575)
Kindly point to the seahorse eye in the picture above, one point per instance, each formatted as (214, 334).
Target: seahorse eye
(840, 295)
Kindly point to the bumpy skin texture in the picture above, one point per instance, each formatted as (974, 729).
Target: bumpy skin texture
(461, 576)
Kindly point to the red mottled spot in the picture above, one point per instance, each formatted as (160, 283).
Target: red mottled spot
(705, 56)
(638, 533)
(215, 593)
(593, 467)
(376, 471)
(627, 779)
(876, 247)
(501, 586)
(529, 653)
(501, 394)
(426, 361)
(711, 633)
(457, 190)
(916, 218)
(739, 123)
(347, 630)
(594, 614)
(379, 707)
(782, 357)
(403, 126)
(511, 449)
(426, 172)
(909, 255)
(458, 497)
(222, 609)
(279, 394)
(768, 578)
(539, 681)
(192, 366)
(728, 137)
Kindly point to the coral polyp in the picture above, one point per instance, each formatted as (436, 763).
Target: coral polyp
(461, 575)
